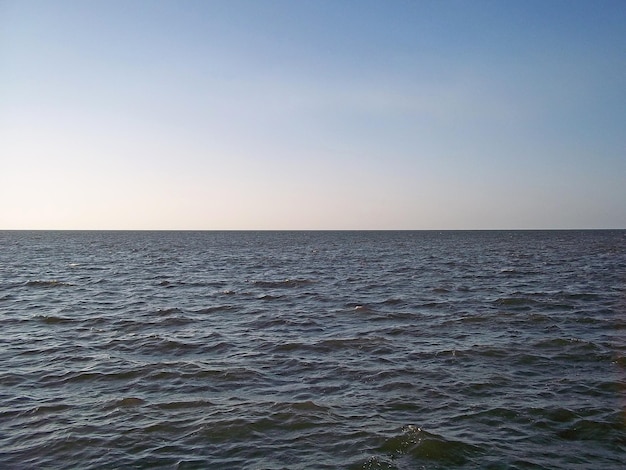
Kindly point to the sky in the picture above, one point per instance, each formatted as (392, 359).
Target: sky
(321, 114)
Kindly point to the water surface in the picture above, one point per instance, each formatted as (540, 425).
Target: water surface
(293, 350)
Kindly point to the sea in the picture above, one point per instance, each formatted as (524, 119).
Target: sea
(313, 349)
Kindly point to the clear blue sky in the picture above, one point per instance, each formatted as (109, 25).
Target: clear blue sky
(322, 114)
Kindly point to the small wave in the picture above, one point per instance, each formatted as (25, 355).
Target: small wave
(287, 283)
(583, 296)
(589, 430)
(435, 305)
(511, 272)
(216, 308)
(52, 319)
(374, 463)
(216, 376)
(45, 409)
(554, 415)
(377, 344)
(85, 376)
(171, 346)
(219, 346)
(176, 321)
(440, 290)
(538, 318)
(620, 360)
(52, 283)
(289, 346)
(518, 303)
(561, 343)
(357, 307)
(476, 351)
(183, 405)
(423, 445)
(168, 311)
(241, 374)
(128, 402)
(269, 297)
(307, 406)
(495, 416)
(267, 321)
(171, 284)
(469, 319)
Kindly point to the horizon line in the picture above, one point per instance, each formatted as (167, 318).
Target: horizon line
(311, 229)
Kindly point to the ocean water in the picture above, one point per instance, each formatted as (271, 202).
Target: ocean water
(313, 350)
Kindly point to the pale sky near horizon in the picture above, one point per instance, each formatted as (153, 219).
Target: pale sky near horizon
(321, 114)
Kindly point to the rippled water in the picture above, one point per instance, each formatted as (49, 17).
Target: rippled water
(288, 350)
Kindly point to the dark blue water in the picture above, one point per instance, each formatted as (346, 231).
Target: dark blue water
(291, 350)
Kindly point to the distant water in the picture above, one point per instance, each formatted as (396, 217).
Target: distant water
(313, 350)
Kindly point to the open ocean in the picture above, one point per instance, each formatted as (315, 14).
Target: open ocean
(313, 350)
